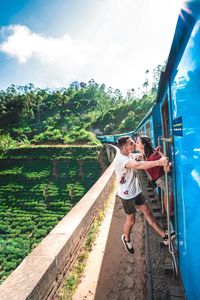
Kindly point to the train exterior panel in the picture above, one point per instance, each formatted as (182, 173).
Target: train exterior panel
(185, 97)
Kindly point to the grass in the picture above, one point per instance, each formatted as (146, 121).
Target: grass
(73, 278)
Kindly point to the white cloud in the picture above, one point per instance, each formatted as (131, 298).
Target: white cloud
(117, 42)
(22, 43)
(64, 58)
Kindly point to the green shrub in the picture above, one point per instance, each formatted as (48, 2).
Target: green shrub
(81, 136)
(50, 135)
(6, 142)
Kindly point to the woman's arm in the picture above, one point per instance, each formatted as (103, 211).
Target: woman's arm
(133, 164)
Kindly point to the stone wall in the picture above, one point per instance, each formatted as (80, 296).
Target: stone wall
(40, 273)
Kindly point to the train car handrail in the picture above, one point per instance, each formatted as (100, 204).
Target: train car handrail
(170, 245)
(165, 141)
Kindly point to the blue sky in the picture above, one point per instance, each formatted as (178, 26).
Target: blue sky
(51, 43)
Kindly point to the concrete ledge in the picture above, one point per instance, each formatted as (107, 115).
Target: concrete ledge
(40, 272)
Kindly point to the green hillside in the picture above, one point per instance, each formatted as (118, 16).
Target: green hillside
(38, 186)
(69, 115)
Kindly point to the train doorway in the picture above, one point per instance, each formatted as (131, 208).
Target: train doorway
(167, 142)
(165, 121)
(168, 195)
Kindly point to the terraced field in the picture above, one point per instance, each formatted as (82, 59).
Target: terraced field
(37, 188)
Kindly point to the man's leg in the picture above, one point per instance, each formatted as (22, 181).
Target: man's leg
(130, 221)
(151, 220)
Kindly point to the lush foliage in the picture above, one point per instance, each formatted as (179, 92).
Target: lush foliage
(43, 115)
(38, 186)
(126, 115)
(6, 142)
(69, 115)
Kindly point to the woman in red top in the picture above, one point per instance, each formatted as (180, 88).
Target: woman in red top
(143, 144)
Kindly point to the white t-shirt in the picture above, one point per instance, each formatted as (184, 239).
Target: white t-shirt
(127, 180)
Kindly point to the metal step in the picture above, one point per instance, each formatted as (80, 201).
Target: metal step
(176, 293)
(152, 201)
(150, 189)
(155, 207)
(151, 195)
(168, 266)
(158, 215)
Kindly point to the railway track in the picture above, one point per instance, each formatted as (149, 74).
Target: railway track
(162, 283)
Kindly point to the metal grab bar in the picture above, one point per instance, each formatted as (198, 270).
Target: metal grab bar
(171, 249)
(161, 192)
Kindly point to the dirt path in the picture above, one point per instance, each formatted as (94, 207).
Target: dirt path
(111, 273)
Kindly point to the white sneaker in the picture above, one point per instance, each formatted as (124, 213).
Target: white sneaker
(127, 244)
(165, 238)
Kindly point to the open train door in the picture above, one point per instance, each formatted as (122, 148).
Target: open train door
(165, 123)
(169, 194)
(167, 138)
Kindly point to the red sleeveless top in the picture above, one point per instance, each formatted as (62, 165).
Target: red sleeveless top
(155, 172)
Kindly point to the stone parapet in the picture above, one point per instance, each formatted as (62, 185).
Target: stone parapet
(40, 273)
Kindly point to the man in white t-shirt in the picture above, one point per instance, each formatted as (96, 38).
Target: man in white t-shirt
(129, 191)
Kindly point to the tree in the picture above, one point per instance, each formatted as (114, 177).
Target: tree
(146, 83)
(128, 124)
(156, 75)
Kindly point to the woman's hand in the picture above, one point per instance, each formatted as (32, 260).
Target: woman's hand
(168, 167)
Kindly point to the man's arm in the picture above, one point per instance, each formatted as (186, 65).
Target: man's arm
(133, 164)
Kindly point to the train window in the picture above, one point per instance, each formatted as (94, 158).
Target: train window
(165, 114)
(148, 129)
(165, 120)
(142, 131)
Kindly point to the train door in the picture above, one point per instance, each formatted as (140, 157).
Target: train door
(168, 143)
(165, 118)
(168, 195)
(165, 121)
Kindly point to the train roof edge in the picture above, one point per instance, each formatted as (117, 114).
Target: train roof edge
(185, 24)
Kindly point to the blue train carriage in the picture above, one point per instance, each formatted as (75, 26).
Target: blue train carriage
(130, 133)
(179, 100)
(112, 139)
(150, 125)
